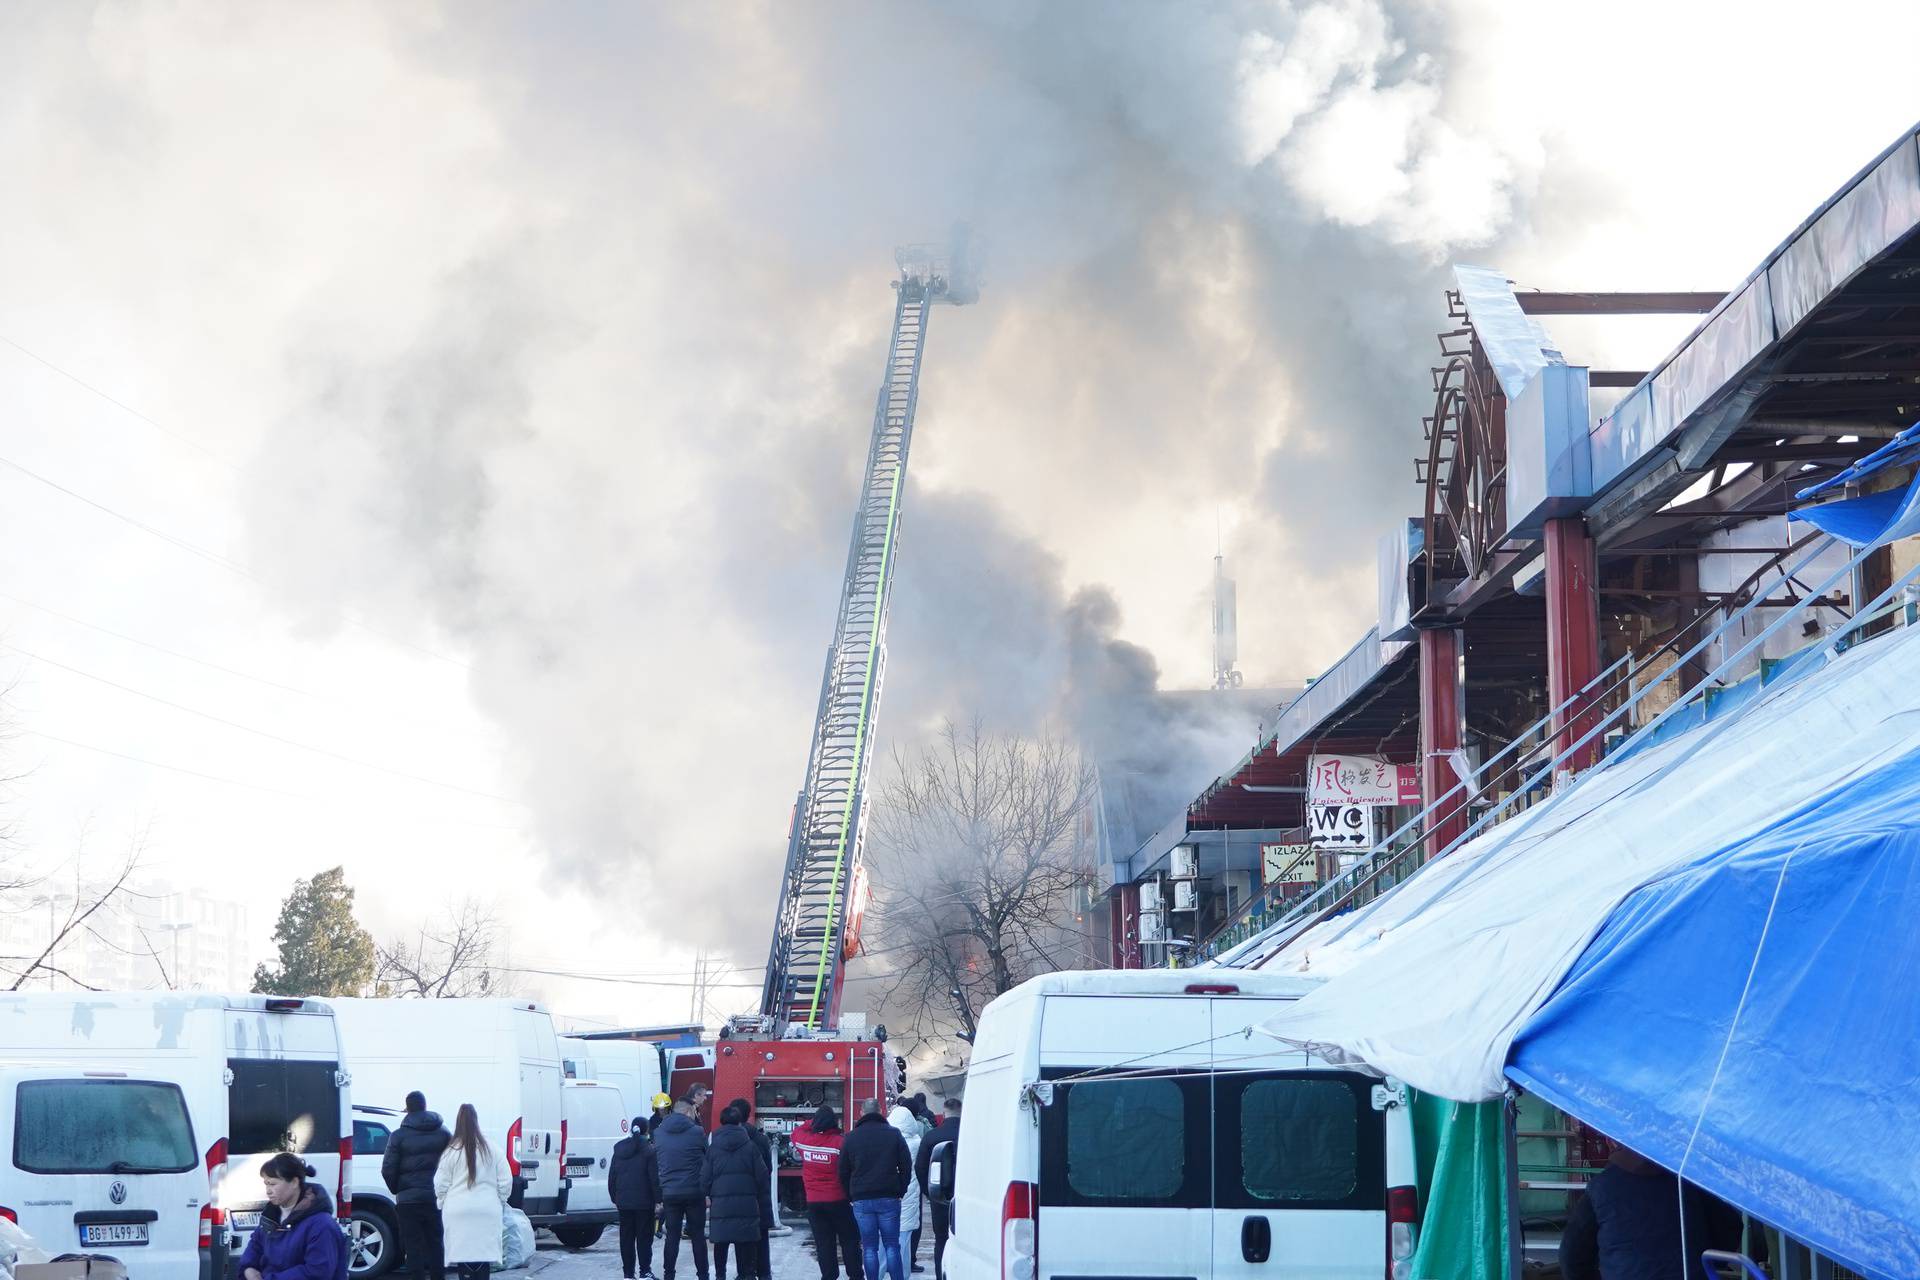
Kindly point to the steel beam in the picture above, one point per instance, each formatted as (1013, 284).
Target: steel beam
(1442, 729)
(1543, 303)
(1573, 634)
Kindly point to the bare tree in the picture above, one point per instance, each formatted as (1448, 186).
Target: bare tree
(82, 905)
(456, 957)
(977, 853)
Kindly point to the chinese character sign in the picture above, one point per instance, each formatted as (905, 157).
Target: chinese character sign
(1365, 780)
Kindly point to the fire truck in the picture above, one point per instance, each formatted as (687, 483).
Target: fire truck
(802, 1050)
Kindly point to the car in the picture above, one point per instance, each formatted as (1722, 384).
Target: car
(373, 1232)
(1137, 1123)
(103, 1159)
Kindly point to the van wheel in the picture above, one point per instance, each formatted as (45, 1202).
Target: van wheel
(579, 1237)
(373, 1244)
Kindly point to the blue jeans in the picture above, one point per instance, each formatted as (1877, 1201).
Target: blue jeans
(879, 1222)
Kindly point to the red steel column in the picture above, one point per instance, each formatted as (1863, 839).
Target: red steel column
(1573, 636)
(1442, 723)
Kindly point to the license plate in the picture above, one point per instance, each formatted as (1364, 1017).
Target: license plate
(114, 1233)
(245, 1220)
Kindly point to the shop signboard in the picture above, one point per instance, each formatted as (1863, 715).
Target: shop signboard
(1288, 864)
(1367, 780)
(1347, 827)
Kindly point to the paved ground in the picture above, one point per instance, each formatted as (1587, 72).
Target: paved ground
(792, 1259)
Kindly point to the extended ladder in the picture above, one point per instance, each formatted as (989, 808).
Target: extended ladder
(805, 963)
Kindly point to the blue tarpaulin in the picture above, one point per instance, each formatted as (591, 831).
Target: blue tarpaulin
(1807, 1114)
(1871, 518)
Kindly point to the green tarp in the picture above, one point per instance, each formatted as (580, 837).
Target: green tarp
(1460, 1149)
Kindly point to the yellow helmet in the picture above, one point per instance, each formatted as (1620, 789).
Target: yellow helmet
(661, 1101)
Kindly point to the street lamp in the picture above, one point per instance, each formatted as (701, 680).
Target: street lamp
(176, 930)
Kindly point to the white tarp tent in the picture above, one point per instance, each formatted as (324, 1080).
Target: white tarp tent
(1431, 982)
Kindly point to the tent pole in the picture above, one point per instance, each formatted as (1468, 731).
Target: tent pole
(1516, 1239)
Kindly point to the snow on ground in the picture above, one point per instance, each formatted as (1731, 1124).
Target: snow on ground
(792, 1259)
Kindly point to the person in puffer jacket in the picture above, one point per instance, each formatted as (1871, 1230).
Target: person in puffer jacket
(411, 1159)
(907, 1125)
(835, 1234)
(739, 1189)
(633, 1184)
(298, 1237)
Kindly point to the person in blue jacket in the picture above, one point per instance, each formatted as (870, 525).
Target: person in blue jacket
(298, 1237)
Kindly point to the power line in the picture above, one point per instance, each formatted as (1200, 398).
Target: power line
(202, 662)
(630, 982)
(263, 733)
(212, 557)
(329, 802)
(121, 405)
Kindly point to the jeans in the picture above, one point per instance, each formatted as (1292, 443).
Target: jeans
(880, 1234)
(636, 1242)
(422, 1240)
(835, 1234)
(692, 1214)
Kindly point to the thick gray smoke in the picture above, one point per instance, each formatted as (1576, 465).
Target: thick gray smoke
(604, 431)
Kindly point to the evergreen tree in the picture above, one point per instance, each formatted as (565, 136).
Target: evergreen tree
(323, 949)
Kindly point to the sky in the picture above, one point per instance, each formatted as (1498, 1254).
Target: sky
(428, 433)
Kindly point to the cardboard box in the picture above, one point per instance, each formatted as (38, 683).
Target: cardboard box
(78, 1269)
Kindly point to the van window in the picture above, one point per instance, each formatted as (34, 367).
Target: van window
(1123, 1141)
(101, 1126)
(1299, 1139)
(369, 1139)
(282, 1106)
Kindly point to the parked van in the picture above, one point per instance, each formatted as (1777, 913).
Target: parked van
(597, 1117)
(1134, 1123)
(632, 1066)
(500, 1055)
(105, 1160)
(260, 1074)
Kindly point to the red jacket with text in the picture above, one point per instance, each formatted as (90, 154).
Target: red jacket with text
(819, 1164)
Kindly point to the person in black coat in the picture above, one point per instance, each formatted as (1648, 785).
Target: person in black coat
(682, 1149)
(948, 1130)
(738, 1187)
(765, 1146)
(408, 1165)
(633, 1183)
(875, 1168)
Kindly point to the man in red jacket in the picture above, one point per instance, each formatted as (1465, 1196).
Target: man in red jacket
(835, 1234)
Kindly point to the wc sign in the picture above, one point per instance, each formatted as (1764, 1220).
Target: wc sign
(1348, 827)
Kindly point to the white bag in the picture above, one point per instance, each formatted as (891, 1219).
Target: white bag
(517, 1243)
(16, 1246)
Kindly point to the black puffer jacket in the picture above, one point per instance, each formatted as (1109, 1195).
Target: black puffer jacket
(633, 1175)
(413, 1155)
(874, 1161)
(738, 1184)
(682, 1148)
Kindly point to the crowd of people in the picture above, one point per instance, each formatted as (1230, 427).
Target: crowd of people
(668, 1179)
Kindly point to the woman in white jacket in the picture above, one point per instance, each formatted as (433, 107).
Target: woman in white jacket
(909, 1128)
(471, 1187)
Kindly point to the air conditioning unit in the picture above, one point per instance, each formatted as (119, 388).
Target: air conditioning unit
(1149, 895)
(1184, 897)
(1186, 862)
(1152, 926)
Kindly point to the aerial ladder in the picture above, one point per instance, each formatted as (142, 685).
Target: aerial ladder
(800, 1051)
(824, 886)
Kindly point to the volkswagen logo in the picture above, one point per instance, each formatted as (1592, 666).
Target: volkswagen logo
(117, 1193)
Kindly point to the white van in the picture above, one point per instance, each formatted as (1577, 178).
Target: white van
(597, 1118)
(105, 1161)
(373, 1236)
(632, 1066)
(261, 1074)
(500, 1055)
(1133, 1123)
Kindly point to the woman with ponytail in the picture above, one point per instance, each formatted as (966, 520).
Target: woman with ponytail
(472, 1186)
(298, 1238)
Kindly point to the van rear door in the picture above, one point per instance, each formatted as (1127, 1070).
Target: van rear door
(1299, 1162)
(1126, 1142)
